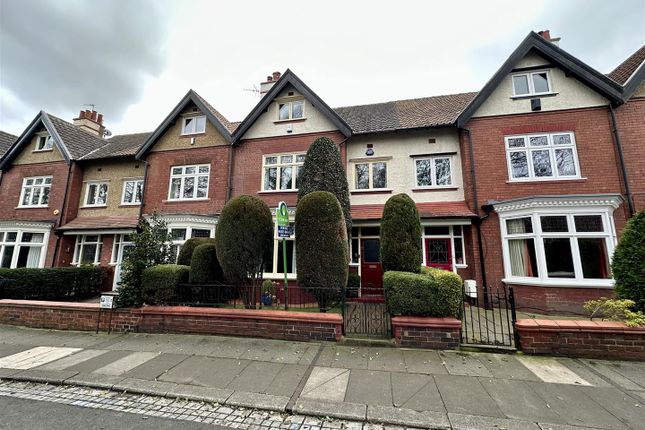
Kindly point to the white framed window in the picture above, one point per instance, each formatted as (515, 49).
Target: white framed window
(531, 83)
(291, 110)
(558, 246)
(370, 175)
(453, 235)
(23, 248)
(193, 125)
(543, 156)
(132, 192)
(180, 233)
(274, 263)
(281, 171)
(87, 249)
(44, 142)
(96, 194)
(121, 242)
(189, 182)
(433, 172)
(35, 191)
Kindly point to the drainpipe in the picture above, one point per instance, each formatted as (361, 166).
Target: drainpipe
(143, 190)
(229, 178)
(62, 211)
(621, 159)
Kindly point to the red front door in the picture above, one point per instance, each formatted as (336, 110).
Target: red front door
(438, 254)
(371, 271)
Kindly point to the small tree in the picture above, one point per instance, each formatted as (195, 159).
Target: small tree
(321, 247)
(323, 171)
(150, 246)
(187, 249)
(401, 235)
(628, 264)
(242, 239)
(204, 265)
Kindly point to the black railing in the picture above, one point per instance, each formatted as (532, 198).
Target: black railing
(489, 318)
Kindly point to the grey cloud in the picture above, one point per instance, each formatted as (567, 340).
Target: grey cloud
(58, 55)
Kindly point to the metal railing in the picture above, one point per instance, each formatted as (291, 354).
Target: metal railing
(489, 318)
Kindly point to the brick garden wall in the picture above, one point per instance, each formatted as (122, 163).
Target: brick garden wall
(590, 339)
(421, 332)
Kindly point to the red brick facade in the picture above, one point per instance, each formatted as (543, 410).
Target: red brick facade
(420, 332)
(630, 119)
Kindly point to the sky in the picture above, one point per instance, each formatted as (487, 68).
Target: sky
(135, 59)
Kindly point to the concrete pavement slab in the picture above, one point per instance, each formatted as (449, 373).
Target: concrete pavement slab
(48, 376)
(5, 373)
(255, 377)
(94, 380)
(348, 357)
(518, 401)
(575, 407)
(10, 349)
(326, 383)
(628, 408)
(506, 366)
(427, 362)
(549, 426)
(309, 355)
(286, 380)
(205, 371)
(124, 364)
(42, 337)
(369, 387)
(462, 363)
(407, 417)
(605, 369)
(142, 386)
(156, 367)
(202, 394)
(466, 395)
(275, 351)
(35, 357)
(326, 357)
(99, 361)
(260, 401)
(584, 371)
(225, 347)
(633, 371)
(417, 392)
(73, 359)
(342, 410)
(474, 422)
(548, 369)
(386, 359)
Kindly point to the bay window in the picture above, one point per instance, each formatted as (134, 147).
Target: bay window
(189, 182)
(281, 171)
(35, 191)
(87, 249)
(544, 156)
(22, 248)
(370, 175)
(181, 233)
(433, 172)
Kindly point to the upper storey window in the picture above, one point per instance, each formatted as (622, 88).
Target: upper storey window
(281, 171)
(35, 191)
(533, 83)
(537, 157)
(370, 175)
(291, 110)
(45, 143)
(194, 125)
(189, 182)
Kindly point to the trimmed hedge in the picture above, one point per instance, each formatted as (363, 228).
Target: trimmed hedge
(353, 285)
(186, 252)
(432, 293)
(159, 283)
(628, 263)
(58, 283)
(401, 235)
(204, 266)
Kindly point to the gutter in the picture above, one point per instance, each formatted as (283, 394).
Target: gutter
(621, 160)
(229, 174)
(62, 212)
(143, 190)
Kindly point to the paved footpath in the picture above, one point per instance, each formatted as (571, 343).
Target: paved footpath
(398, 387)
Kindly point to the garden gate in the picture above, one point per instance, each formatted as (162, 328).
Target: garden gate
(488, 319)
(367, 315)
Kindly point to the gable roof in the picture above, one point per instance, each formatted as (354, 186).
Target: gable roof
(214, 117)
(124, 145)
(630, 73)
(6, 140)
(290, 78)
(437, 111)
(565, 61)
(72, 142)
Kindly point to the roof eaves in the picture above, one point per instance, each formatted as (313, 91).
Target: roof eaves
(634, 81)
(57, 139)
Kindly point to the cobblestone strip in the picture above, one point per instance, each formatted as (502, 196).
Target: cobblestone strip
(163, 407)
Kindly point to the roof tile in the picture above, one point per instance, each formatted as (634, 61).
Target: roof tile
(626, 69)
(124, 145)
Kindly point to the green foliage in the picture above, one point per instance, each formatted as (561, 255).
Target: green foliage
(323, 171)
(615, 310)
(244, 235)
(59, 283)
(400, 235)
(150, 247)
(628, 264)
(159, 283)
(434, 295)
(186, 252)
(321, 247)
(204, 266)
(268, 287)
(353, 284)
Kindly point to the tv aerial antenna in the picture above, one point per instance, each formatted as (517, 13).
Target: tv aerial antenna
(255, 90)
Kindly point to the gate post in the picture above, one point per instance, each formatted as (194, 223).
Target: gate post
(511, 299)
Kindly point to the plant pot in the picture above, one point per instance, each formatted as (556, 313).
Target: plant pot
(267, 300)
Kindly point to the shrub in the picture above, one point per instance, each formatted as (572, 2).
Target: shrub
(243, 237)
(186, 252)
(204, 266)
(449, 291)
(353, 284)
(321, 247)
(323, 171)
(615, 310)
(627, 264)
(400, 235)
(159, 283)
(59, 283)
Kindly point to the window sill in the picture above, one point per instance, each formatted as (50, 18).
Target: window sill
(192, 135)
(533, 96)
(43, 150)
(430, 189)
(283, 121)
(93, 207)
(563, 283)
(461, 266)
(372, 191)
(32, 207)
(280, 277)
(129, 205)
(523, 181)
(278, 192)
(185, 200)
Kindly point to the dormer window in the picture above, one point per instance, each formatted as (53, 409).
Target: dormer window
(291, 110)
(194, 125)
(533, 83)
(45, 143)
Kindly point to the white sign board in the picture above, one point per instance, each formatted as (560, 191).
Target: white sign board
(107, 302)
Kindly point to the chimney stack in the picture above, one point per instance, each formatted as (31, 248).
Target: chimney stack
(546, 34)
(90, 121)
(271, 80)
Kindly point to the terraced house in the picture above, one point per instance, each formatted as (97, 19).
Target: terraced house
(527, 182)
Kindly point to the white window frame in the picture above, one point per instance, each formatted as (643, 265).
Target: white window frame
(118, 243)
(433, 171)
(81, 242)
(277, 256)
(295, 166)
(183, 175)
(529, 78)
(194, 127)
(49, 142)
(290, 104)
(451, 235)
(370, 173)
(178, 243)
(19, 244)
(33, 186)
(542, 279)
(551, 147)
(95, 203)
(135, 195)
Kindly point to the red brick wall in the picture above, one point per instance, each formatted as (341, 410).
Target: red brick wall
(565, 300)
(421, 332)
(605, 339)
(158, 180)
(630, 118)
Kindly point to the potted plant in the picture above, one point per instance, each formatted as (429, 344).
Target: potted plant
(267, 292)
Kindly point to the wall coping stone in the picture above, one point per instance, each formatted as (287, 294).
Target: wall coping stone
(542, 325)
(242, 314)
(434, 322)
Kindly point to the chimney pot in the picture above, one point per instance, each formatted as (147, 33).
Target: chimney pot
(269, 78)
(93, 117)
(546, 34)
(99, 118)
(81, 114)
(276, 75)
